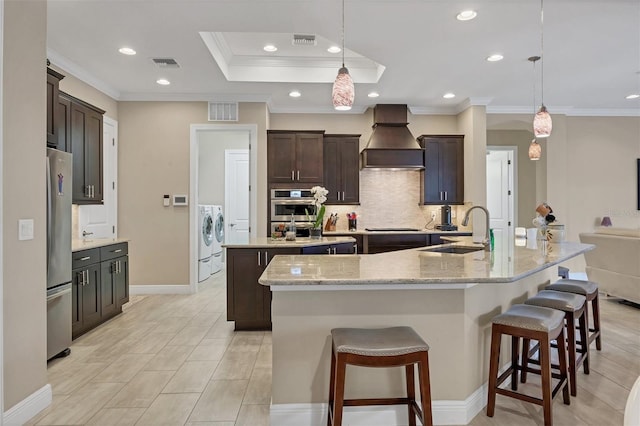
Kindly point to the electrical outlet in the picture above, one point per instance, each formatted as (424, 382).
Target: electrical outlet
(433, 214)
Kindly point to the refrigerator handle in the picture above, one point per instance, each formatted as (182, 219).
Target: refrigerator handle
(49, 212)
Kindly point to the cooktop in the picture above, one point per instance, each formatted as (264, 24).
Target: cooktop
(390, 229)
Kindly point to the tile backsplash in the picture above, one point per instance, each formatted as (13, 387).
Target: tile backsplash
(391, 199)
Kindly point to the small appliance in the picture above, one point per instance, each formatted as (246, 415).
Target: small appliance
(445, 219)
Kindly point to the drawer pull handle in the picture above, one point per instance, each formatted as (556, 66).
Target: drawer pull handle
(116, 251)
(85, 258)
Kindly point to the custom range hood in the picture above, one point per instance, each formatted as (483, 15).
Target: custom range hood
(392, 145)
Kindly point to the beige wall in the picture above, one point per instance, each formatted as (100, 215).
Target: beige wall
(81, 90)
(153, 160)
(23, 157)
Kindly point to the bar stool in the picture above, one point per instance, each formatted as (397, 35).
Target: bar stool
(384, 347)
(588, 289)
(530, 323)
(574, 308)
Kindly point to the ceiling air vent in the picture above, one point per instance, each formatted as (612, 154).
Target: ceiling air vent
(165, 62)
(223, 111)
(304, 40)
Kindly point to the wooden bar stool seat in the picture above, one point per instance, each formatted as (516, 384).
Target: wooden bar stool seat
(574, 308)
(385, 347)
(588, 289)
(531, 323)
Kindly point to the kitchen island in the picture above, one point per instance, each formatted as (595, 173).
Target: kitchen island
(248, 303)
(449, 299)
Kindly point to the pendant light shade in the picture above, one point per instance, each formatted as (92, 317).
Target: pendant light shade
(542, 123)
(535, 150)
(343, 91)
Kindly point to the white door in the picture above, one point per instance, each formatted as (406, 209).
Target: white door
(100, 220)
(236, 194)
(500, 196)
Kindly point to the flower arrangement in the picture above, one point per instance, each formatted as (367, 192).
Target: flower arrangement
(320, 196)
(542, 220)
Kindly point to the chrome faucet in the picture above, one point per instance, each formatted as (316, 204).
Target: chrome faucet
(486, 242)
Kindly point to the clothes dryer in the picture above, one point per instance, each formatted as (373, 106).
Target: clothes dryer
(205, 250)
(218, 238)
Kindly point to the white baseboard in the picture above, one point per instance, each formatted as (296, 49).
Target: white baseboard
(443, 412)
(27, 408)
(159, 289)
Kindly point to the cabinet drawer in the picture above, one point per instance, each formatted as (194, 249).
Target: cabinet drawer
(113, 251)
(82, 258)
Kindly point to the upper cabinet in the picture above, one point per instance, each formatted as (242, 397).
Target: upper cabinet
(53, 84)
(443, 175)
(82, 126)
(341, 168)
(295, 157)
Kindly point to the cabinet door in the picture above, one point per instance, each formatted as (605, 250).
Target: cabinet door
(122, 282)
(331, 171)
(244, 294)
(77, 130)
(309, 158)
(431, 176)
(108, 277)
(93, 155)
(52, 110)
(350, 170)
(452, 170)
(343, 248)
(281, 157)
(76, 302)
(91, 311)
(64, 123)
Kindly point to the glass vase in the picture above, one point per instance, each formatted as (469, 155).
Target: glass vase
(315, 233)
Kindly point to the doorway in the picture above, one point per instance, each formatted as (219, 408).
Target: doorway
(208, 182)
(501, 194)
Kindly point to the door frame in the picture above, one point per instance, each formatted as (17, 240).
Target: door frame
(1, 217)
(514, 156)
(195, 130)
(226, 184)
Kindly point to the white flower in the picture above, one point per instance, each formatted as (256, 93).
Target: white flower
(320, 195)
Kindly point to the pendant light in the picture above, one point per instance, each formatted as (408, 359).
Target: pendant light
(535, 150)
(542, 120)
(343, 91)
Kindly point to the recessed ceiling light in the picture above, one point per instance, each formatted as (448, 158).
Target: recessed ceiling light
(334, 49)
(127, 51)
(495, 57)
(466, 15)
(632, 96)
(163, 82)
(270, 48)
(295, 94)
(449, 95)
(373, 94)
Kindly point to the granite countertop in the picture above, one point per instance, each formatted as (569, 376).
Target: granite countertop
(78, 244)
(420, 231)
(268, 242)
(418, 266)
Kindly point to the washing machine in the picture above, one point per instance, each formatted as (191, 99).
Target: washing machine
(205, 250)
(218, 238)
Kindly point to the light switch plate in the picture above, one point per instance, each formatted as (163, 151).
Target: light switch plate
(25, 229)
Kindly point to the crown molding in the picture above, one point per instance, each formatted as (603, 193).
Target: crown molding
(315, 110)
(82, 74)
(568, 111)
(195, 97)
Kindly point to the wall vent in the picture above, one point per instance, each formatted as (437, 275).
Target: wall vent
(304, 40)
(223, 111)
(165, 62)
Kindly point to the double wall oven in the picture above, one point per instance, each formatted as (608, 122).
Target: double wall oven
(286, 203)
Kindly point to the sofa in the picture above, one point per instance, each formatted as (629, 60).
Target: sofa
(615, 262)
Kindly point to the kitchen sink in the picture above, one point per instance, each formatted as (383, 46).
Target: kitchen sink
(454, 249)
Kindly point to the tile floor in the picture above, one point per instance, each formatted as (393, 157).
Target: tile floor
(175, 360)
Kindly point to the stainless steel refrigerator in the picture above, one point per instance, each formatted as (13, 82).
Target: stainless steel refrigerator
(59, 300)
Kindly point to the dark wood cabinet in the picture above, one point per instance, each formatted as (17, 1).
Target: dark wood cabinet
(53, 85)
(295, 157)
(436, 239)
(63, 124)
(381, 243)
(83, 127)
(341, 168)
(100, 286)
(336, 248)
(249, 302)
(443, 177)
